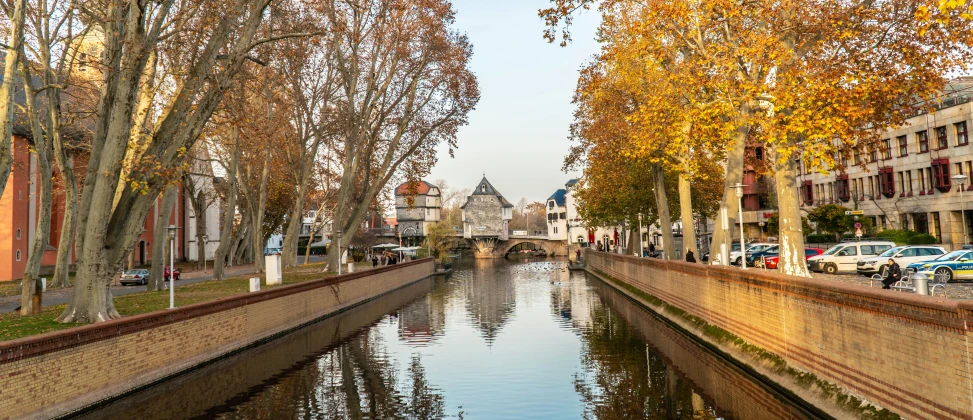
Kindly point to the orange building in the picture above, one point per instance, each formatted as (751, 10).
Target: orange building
(19, 213)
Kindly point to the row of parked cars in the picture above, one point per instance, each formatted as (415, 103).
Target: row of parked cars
(868, 258)
(141, 276)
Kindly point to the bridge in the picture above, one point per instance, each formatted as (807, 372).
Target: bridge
(494, 247)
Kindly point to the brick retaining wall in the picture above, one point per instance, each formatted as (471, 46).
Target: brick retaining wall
(900, 351)
(60, 372)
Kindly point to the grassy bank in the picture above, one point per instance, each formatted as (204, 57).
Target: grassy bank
(14, 326)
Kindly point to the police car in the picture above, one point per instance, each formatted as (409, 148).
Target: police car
(957, 265)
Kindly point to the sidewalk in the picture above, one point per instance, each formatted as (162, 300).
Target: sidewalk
(61, 296)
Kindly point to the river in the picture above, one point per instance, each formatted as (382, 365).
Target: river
(496, 340)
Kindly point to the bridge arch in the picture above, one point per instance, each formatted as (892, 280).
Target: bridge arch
(551, 247)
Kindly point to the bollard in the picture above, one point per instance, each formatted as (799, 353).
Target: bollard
(254, 284)
(921, 283)
(351, 267)
(43, 284)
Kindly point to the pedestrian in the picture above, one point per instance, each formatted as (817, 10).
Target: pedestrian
(577, 254)
(689, 255)
(599, 247)
(651, 249)
(893, 273)
(374, 261)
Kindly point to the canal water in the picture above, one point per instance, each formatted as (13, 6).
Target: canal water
(497, 340)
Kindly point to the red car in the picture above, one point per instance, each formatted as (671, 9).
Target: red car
(771, 261)
(165, 275)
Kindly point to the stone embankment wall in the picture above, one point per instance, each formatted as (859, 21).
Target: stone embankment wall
(909, 354)
(60, 372)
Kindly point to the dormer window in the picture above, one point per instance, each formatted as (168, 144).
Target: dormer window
(483, 188)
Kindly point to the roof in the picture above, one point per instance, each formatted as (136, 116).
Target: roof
(571, 182)
(559, 197)
(484, 187)
(422, 188)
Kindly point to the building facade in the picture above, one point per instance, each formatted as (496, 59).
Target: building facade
(415, 217)
(485, 213)
(917, 177)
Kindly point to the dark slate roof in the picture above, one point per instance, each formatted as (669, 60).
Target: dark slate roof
(571, 183)
(559, 197)
(488, 190)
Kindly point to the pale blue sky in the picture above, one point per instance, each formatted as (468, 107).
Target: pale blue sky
(518, 132)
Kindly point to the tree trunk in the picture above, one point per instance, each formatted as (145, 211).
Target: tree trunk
(10, 64)
(91, 300)
(65, 243)
(734, 175)
(226, 231)
(199, 206)
(662, 202)
(257, 240)
(31, 291)
(291, 235)
(314, 233)
(161, 247)
(792, 259)
(686, 214)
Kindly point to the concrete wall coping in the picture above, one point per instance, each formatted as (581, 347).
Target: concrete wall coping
(26, 347)
(954, 312)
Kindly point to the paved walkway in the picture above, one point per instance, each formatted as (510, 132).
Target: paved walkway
(962, 290)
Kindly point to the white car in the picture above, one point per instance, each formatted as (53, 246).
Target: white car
(735, 257)
(903, 256)
(845, 256)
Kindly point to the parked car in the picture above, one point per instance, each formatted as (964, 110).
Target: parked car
(754, 257)
(772, 260)
(736, 258)
(959, 267)
(903, 255)
(165, 275)
(952, 256)
(735, 246)
(140, 276)
(845, 256)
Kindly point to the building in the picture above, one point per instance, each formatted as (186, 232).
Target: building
(417, 206)
(915, 177)
(564, 222)
(486, 214)
(557, 221)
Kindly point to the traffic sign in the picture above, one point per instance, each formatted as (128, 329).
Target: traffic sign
(854, 212)
(858, 226)
(858, 233)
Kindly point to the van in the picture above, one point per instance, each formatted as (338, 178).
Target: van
(845, 256)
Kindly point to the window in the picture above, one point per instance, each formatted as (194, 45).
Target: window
(869, 250)
(872, 155)
(18, 233)
(555, 229)
(942, 142)
(908, 252)
(922, 138)
(550, 204)
(940, 172)
(844, 194)
(758, 153)
(858, 158)
(887, 149)
(962, 135)
(886, 181)
(908, 177)
(18, 255)
(848, 251)
(808, 192)
(563, 216)
(903, 146)
(483, 188)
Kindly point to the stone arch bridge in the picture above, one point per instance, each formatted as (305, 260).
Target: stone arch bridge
(493, 247)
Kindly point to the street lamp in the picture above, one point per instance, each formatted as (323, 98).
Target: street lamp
(641, 249)
(743, 251)
(337, 239)
(205, 241)
(172, 262)
(961, 180)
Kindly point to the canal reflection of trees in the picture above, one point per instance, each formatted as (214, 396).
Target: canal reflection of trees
(636, 366)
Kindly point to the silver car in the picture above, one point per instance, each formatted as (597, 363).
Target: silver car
(140, 276)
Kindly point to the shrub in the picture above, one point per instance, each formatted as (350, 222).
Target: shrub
(899, 236)
(820, 239)
(922, 239)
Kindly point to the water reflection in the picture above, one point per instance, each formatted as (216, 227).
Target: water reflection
(498, 340)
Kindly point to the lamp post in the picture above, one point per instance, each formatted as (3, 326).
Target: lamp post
(337, 240)
(205, 241)
(172, 263)
(961, 179)
(743, 251)
(641, 249)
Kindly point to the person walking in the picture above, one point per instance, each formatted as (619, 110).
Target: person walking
(651, 249)
(893, 273)
(689, 255)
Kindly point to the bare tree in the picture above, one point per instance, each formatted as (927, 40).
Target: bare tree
(405, 88)
(11, 61)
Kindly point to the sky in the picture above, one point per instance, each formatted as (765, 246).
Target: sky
(518, 133)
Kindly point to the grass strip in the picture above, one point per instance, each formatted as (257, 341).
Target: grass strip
(13, 325)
